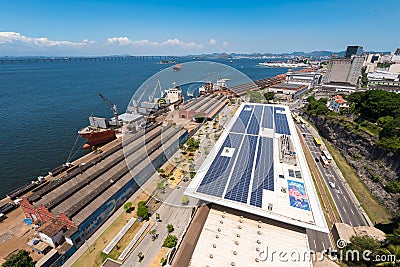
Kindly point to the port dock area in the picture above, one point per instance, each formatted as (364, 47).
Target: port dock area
(89, 191)
(84, 195)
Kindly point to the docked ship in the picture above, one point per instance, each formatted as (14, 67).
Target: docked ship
(212, 87)
(96, 135)
(101, 130)
(284, 64)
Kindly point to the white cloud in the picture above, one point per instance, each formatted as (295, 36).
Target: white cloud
(14, 43)
(17, 38)
(125, 41)
(212, 42)
(225, 44)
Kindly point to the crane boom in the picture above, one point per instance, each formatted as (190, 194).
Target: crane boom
(112, 107)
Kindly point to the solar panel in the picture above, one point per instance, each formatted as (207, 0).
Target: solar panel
(254, 125)
(281, 123)
(267, 121)
(243, 119)
(263, 172)
(214, 181)
(238, 187)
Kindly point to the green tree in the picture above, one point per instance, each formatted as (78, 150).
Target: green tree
(19, 259)
(269, 96)
(255, 97)
(170, 241)
(128, 206)
(185, 200)
(391, 250)
(170, 228)
(142, 210)
(153, 234)
(192, 144)
(163, 261)
(361, 244)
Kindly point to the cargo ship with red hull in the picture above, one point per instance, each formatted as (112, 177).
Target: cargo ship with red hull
(97, 136)
(101, 131)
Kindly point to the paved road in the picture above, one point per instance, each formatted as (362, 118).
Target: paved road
(179, 217)
(318, 241)
(348, 210)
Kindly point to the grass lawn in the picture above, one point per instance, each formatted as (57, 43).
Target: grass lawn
(376, 212)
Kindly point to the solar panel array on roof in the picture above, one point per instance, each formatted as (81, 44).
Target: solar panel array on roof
(281, 123)
(263, 171)
(230, 177)
(239, 183)
(243, 171)
(254, 125)
(241, 123)
(267, 121)
(217, 175)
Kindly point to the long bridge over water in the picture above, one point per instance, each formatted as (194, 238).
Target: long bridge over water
(72, 59)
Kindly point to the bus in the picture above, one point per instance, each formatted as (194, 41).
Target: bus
(324, 162)
(317, 142)
(327, 155)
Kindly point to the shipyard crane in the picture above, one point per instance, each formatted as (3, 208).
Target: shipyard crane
(150, 95)
(112, 107)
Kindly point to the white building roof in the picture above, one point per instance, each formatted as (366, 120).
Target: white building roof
(232, 240)
(246, 169)
(130, 117)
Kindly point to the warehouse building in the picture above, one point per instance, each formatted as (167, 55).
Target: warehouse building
(87, 195)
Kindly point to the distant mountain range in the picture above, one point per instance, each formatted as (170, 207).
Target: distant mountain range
(314, 54)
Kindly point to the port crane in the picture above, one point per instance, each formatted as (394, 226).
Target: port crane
(112, 107)
(136, 102)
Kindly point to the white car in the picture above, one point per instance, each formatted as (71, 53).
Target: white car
(332, 184)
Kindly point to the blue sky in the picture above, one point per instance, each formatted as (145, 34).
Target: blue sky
(193, 27)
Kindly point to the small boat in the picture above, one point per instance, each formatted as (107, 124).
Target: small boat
(166, 62)
(177, 67)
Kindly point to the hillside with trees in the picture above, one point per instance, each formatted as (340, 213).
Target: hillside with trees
(382, 110)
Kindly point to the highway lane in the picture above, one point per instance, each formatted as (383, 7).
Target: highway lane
(318, 241)
(348, 210)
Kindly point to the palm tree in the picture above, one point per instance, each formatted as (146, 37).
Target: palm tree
(395, 252)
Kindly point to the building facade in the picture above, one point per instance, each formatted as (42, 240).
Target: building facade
(346, 69)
